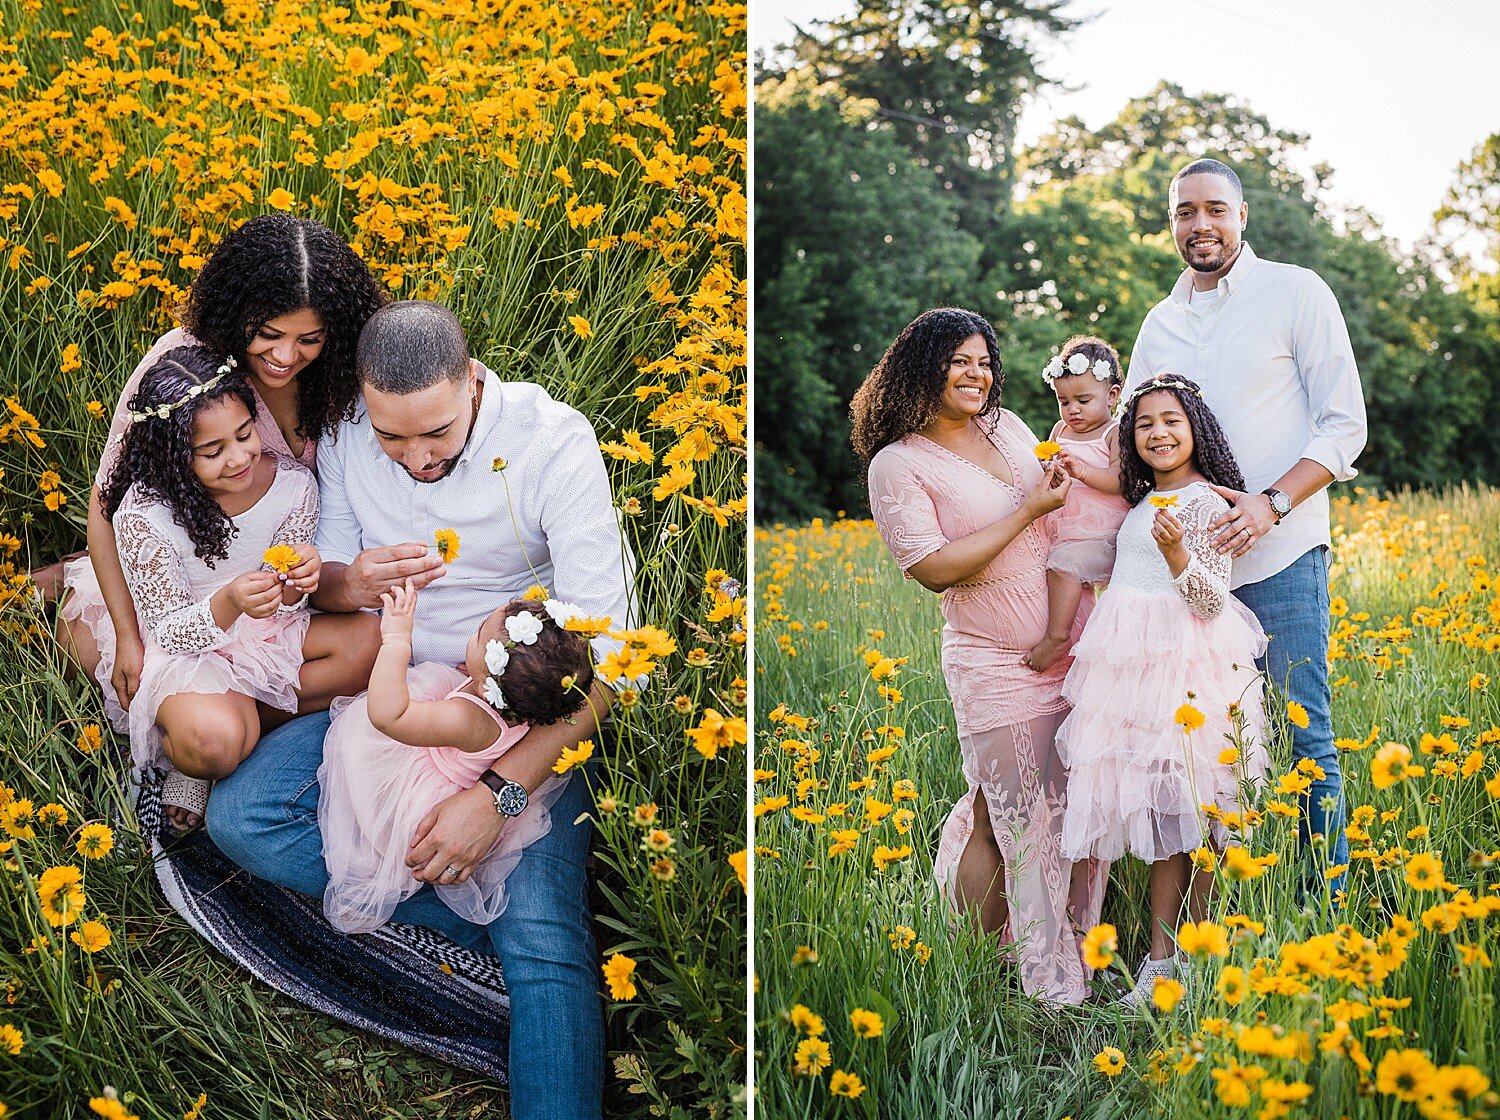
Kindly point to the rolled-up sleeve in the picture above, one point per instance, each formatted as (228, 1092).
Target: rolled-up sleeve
(1325, 360)
(338, 537)
(904, 511)
(592, 565)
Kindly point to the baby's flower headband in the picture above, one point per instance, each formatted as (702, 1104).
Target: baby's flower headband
(520, 630)
(162, 411)
(1077, 363)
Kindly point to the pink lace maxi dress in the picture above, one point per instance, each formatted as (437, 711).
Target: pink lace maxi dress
(375, 791)
(924, 496)
(85, 601)
(172, 589)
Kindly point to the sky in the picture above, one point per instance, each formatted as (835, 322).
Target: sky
(1391, 102)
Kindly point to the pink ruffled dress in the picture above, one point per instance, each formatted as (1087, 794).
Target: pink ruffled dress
(1135, 780)
(1084, 530)
(84, 603)
(172, 591)
(375, 791)
(924, 496)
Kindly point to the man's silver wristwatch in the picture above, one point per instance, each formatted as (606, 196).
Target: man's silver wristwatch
(1281, 505)
(510, 797)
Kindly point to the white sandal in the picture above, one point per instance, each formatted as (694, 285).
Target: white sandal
(1139, 997)
(181, 792)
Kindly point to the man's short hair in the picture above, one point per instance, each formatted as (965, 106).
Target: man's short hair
(410, 346)
(1212, 167)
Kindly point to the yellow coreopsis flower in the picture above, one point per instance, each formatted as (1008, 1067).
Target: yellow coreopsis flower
(1110, 1061)
(1100, 945)
(1404, 1074)
(1047, 449)
(281, 558)
(281, 199)
(617, 974)
(1203, 939)
(580, 326)
(811, 1057)
(90, 738)
(446, 542)
(677, 479)
(1166, 992)
(842, 1084)
(716, 732)
(740, 861)
(574, 756)
(95, 841)
(91, 937)
(807, 1021)
(1424, 871)
(1163, 501)
(866, 1024)
(11, 1039)
(1296, 714)
(1188, 717)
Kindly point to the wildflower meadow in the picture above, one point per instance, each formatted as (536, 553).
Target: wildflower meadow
(570, 179)
(873, 1000)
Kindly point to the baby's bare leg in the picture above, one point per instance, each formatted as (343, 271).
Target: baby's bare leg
(1064, 593)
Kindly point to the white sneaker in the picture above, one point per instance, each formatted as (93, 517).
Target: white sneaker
(1139, 997)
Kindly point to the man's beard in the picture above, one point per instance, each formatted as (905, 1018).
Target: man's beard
(1213, 264)
(453, 462)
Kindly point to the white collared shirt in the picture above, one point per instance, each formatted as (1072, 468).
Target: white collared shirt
(1272, 355)
(556, 527)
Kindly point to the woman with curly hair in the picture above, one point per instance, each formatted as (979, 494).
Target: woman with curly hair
(1164, 678)
(957, 494)
(287, 298)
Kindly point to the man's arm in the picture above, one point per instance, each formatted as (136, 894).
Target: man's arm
(459, 831)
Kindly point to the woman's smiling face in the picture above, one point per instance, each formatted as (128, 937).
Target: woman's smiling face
(969, 380)
(284, 346)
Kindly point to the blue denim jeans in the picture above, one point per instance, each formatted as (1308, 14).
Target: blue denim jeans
(265, 817)
(1292, 607)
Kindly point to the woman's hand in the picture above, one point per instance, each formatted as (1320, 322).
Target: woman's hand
(130, 657)
(255, 594)
(304, 577)
(398, 610)
(1050, 495)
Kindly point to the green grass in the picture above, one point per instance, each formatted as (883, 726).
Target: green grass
(959, 1036)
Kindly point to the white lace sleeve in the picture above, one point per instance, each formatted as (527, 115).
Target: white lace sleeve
(1204, 583)
(300, 523)
(160, 589)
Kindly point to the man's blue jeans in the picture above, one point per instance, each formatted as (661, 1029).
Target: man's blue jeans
(1292, 607)
(265, 817)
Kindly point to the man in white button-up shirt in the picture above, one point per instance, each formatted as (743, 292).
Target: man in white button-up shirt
(441, 443)
(1268, 345)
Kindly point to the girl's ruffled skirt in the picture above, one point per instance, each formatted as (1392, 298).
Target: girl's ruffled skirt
(1136, 781)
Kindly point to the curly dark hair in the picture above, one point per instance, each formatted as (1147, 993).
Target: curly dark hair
(902, 393)
(532, 681)
(1211, 454)
(276, 264)
(1093, 348)
(157, 454)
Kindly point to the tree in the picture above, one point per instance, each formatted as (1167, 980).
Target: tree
(852, 241)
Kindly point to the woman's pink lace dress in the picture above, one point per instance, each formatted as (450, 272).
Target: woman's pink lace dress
(84, 603)
(923, 496)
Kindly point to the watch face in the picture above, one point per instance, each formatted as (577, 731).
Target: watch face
(511, 800)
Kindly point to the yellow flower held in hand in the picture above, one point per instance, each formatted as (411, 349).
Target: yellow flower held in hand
(1163, 501)
(1047, 449)
(617, 973)
(447, 545)
(281, 558)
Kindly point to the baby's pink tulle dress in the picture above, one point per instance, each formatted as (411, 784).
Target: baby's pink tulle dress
(1083, 531)
(1135, 780)
(375, 791)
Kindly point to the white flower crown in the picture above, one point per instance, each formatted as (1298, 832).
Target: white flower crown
(161, 412)
(1077, 363)
(1163, 382)
(521, 630)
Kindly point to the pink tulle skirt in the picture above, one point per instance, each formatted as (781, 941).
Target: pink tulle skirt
(1083, 534)
(375, 791)
(1136, 781)
(261, 660)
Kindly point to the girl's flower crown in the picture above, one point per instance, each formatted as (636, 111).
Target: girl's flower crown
(1077, 363)
(521, 630)
(1160, 383)
(162, 411)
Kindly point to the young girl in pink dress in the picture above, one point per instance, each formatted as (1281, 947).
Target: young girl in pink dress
(1085, 375)
(1165, 633)
(196, 503)
(421, 735)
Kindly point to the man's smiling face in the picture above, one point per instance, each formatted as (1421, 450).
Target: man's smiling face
(425, 432)
(1207, 218)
